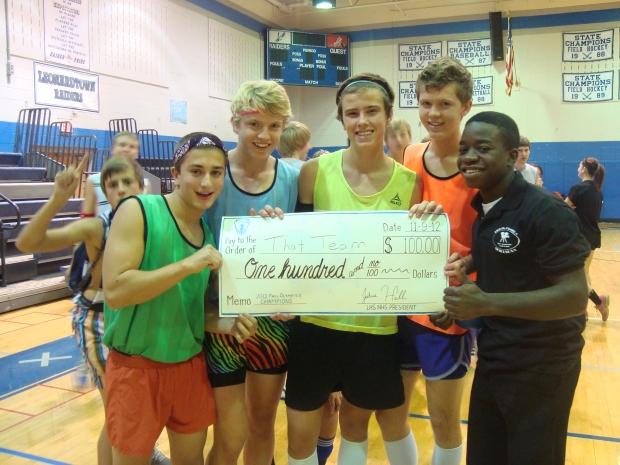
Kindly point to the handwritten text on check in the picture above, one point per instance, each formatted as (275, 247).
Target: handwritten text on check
(364, 263)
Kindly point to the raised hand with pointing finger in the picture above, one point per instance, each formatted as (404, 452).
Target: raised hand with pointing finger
(67, 181)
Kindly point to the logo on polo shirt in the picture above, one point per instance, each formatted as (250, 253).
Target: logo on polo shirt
(506, 240)
(395, 200)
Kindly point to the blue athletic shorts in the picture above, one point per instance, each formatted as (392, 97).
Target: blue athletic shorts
(438, 355)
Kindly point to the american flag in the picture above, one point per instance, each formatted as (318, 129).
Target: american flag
(511, 73)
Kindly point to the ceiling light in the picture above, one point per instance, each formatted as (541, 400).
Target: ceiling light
(324, 4)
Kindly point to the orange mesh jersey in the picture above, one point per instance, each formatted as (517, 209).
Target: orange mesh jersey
(451, 192)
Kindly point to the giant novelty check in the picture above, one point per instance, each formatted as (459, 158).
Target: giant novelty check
(330, 263)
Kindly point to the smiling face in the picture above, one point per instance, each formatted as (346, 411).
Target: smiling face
(441, 111)
(200, 177)
(364, 118)
(258, 133)
(484, 161)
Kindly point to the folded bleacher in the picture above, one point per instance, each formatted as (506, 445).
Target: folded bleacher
(42, 148)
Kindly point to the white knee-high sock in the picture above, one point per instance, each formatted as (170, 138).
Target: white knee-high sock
(312, 460)
(402, 452)
(443, 456)
(352, 453)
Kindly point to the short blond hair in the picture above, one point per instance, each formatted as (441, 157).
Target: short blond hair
(395, 125)
(294, 137)
(264, 96)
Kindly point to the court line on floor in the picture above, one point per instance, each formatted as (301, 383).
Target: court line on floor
(15, 318)
(15, 411)
(37, 365)
(65, 389)
(62, 315)
(35, 458)
(594, 437)
(600, 368)
(20, 322)
(36, 383)
(34, 415)
(25, 325)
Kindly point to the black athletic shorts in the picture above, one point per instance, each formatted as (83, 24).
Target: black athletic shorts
(365, 367)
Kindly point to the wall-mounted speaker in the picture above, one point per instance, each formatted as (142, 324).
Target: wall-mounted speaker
(497, 35)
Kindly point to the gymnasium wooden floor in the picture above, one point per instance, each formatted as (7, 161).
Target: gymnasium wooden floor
(54, 423)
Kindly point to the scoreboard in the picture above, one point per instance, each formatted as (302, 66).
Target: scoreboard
(307, 59)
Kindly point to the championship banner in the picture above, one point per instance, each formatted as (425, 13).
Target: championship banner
(471, 53)
(63, 87)
(407, 97)
(588, 46)
(412, 57)
(588, 87)
(66, 32)
(483, 90)
(332, 263)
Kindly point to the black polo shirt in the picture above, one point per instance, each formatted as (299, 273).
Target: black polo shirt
(526, 238)
(588, 202)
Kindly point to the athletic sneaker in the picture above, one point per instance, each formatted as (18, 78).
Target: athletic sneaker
(158, 458)
(603, 307)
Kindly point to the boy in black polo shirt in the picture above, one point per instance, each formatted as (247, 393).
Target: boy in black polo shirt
(531, 293)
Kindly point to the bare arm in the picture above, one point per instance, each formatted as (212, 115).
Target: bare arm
(567, 296)
(307, 177)
(419, 207)
(36, 237)
(89, 206)
(418, 189)
(123, 282)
